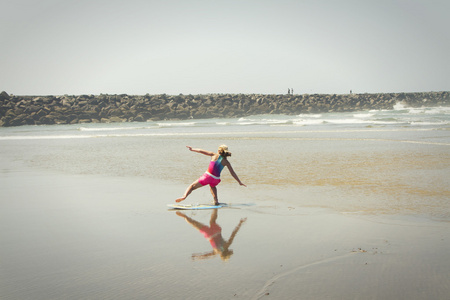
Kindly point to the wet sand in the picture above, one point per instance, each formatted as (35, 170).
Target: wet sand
(339, 214)
(67, 236)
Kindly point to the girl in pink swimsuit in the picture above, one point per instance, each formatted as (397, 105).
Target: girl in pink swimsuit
(212, 175)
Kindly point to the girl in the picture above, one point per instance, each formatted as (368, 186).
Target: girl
(212, 175)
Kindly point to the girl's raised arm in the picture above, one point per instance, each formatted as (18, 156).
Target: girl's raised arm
(209, 153)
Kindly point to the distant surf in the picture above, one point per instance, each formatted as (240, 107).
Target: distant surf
(400, 117)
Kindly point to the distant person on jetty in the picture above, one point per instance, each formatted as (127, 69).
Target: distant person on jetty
(212, 175)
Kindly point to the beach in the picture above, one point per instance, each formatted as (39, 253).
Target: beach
(334, 209)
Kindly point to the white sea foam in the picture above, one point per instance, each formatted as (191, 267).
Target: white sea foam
(263, 121)
(367, 115)
(399, 106)
(420, 118)
(415, 111)
(316, 116)
(114, 128)
(305, 122)
(177, 124)
(438, 110)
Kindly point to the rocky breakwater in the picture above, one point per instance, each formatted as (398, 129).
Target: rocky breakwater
(39, 110)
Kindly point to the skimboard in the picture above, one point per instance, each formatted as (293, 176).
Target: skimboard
(195, 206)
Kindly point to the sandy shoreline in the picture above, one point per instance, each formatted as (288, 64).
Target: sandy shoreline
(329, 213)
(92, 237)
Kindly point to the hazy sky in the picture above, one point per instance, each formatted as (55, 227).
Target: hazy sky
(213, 46)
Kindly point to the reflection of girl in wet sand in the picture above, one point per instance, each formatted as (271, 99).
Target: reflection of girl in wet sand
(213, 234)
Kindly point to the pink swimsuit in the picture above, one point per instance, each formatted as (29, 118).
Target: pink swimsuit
(214, 236)
(212, 175)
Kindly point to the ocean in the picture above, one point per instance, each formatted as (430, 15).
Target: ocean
(401, 119)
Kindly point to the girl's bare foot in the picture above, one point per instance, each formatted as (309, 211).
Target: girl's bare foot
(180, 199)
(181, 214)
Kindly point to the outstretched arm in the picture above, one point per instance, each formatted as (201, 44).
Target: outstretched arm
(203, 256)
(230, 168)
(209, 153)
(233, 234)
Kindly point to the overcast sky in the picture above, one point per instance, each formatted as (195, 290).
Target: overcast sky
(213, 46)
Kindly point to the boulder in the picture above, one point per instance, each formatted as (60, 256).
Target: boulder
(116, 119)
(45, 120)
(4, 96)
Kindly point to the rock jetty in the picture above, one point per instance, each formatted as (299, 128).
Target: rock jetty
(39, 110)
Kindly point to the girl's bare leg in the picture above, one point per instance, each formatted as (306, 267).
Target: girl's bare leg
(191, 221)
(195, 185)
(214, 193)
